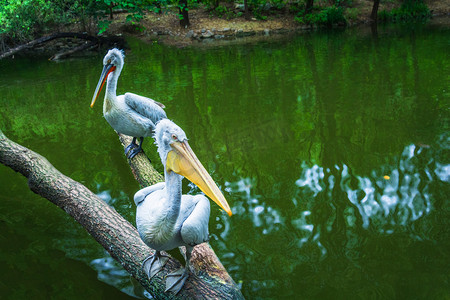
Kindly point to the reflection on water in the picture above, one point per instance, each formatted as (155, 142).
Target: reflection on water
(395, 199)
(385, 201)
(120, 202)
(262, 215)
(324, 145)
(110, 271)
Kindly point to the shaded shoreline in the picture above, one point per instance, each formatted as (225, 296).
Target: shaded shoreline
(210, 31)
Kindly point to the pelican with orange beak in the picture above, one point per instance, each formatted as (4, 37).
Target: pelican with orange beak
(165, 218)
(129, 114)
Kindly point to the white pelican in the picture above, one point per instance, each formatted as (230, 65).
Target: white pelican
(166, 219)
(129, 114)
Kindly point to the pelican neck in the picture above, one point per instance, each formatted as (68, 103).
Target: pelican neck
(111, 84)
(173, 190)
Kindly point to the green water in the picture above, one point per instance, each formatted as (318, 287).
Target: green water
(332, 150)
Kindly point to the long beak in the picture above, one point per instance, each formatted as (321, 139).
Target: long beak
(106, 70)
(182, 160)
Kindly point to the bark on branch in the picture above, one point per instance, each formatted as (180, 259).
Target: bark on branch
(73, 50)
(49, 38)
(93, 41)
(112, 231)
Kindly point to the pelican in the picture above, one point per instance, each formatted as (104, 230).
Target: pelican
(165, 218)
(129, 114)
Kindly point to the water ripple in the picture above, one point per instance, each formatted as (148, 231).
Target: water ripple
(333, 202)
(262, 215)
(387, 200)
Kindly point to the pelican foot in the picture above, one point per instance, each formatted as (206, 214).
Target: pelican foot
(176, 280)
(134, 151)
(129, 147)
(154, 263)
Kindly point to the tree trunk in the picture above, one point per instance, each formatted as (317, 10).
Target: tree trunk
(184, 15)
(309, 6)
(246, 10)
(112, 231)
(374, 14)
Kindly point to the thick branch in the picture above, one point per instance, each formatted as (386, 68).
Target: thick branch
(48, 39)
(142, 169)
(111, 230)
(73, 50)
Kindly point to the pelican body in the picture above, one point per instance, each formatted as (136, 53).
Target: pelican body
(165, 218)
(129, 114)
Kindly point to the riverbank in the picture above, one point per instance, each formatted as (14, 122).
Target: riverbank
(206, 26)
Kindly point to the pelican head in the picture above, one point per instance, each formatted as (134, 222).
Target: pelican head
(112, 62)
(177, 156)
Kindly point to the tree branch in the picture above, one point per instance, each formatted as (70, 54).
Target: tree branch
(140, 165)
(49, 38)
(79, 48)
(112, 231)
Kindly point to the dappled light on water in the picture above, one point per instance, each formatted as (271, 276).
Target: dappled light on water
(388, 200)
(263, 216)
(334, 210)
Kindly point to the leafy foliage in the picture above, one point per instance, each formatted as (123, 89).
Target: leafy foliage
(228, 13)
(409, 11)
(327, 17)
(21, 20)
(136, 9)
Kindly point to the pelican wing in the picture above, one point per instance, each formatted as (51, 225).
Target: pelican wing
(146, 107)
(142, 193)
(194, 230)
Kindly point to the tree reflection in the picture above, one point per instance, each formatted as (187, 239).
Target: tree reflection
(339, 219)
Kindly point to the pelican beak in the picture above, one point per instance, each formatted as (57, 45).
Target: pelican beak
(182, 160)
(106, 70)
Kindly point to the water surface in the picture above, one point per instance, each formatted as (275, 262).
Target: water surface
(331, 148)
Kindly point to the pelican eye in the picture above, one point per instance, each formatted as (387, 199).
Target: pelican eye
(174, 137)
(109, 61)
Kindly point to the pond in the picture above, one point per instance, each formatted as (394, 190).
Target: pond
(332, 149)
